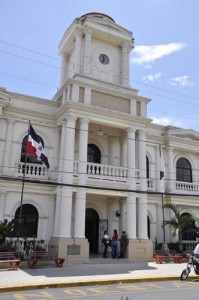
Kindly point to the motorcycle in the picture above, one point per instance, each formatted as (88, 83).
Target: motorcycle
(193, 263)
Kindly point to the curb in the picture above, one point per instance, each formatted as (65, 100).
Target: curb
(89, 283)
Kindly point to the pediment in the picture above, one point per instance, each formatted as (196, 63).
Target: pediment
(4, 98)
(185, 134)
(110, 25)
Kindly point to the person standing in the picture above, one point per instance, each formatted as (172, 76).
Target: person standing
(114, 244)
(123, 244)
(106, 243)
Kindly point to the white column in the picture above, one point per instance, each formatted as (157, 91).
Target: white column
(87, 95)
(8, 146)
(113, 151)
(64, 200)
(143, 109)
(133, 107)
(77, 58)
(87, 53)
(64, 69)
(64, 97)
(142, 159)
(113, 206)
(171, 173)
(80, 204)
(60, 177)
(122, 215)
(157, 168)
(123, 145)
(142, 200)
(75, 93)
(53, 152)
(131, 200)
(125, 65)
(2, 204)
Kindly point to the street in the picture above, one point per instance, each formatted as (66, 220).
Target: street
(163, 290)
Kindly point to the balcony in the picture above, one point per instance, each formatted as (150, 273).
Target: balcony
(186, 187)
(99, 172)
(111, 173)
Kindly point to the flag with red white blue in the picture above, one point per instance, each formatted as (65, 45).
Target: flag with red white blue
(35, 148)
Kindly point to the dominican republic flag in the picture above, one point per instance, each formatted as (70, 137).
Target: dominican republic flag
(35, 148)
(162, 171)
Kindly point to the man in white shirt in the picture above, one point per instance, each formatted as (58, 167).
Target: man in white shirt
(106, 243)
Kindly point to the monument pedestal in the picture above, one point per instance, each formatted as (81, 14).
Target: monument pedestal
(72, 249)
(140, 250)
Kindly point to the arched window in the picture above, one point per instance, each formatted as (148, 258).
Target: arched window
(30, 158)
(94, 154)
(183, 170)
(29, 220)
(189, 234)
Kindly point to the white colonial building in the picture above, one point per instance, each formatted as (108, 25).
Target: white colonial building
(102, 148)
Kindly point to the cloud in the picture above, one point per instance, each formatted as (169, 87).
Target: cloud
(165, 121)
(181, 80)
(149, 54)
(152, 77)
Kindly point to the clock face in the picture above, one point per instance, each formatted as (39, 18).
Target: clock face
(104, 59)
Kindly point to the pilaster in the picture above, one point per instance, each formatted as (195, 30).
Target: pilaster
(64, 68)
(87, 52)
(8, 146)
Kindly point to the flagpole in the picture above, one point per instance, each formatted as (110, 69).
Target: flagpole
(163, 218)
(23, 180)
(162, 188)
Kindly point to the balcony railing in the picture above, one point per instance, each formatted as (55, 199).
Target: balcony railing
(104, 172)
(188, 187)
(32, 170)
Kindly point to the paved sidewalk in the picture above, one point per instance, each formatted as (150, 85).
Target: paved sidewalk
(96, 271)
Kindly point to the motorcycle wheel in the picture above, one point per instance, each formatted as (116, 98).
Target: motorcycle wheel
(184, 275)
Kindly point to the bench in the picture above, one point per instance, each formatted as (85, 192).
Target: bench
(167, 256)
(44, 256)
(9, 258)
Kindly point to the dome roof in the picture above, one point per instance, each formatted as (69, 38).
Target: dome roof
(97, 15)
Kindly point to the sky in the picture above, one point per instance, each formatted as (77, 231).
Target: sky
(164, 64)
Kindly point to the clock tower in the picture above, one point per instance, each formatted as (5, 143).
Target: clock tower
(95, 92)
(95, 46)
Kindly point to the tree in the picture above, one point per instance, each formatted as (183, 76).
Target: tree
(179, 222)
(7, 228)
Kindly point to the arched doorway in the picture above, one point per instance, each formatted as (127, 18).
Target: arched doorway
(148, 227)
(94, 154)
(189, 232)
(92, 229)
(29, 220)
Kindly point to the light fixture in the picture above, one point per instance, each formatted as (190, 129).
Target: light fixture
(100, 133)
(117, 213)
